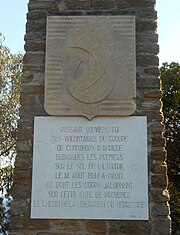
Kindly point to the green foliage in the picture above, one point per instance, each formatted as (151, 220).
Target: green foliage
(170, 77)
(10, 73)
(1, 217)
(6, 176)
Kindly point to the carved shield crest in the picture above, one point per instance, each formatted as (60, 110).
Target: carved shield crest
(90, 66)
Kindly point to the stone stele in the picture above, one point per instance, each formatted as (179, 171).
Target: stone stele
(90, 66)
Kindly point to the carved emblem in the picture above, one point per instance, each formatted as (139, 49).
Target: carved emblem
(86, 77)
(90, 66)
(88, 57)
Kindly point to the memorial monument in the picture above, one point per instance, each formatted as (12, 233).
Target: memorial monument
(91, 152)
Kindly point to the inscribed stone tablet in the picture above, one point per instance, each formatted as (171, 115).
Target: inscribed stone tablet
(90, 66)
(90, 169)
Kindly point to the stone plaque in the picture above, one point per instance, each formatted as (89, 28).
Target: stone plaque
(90, 66)
(90, 170)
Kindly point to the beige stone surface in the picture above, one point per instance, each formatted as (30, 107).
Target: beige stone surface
(90, 66)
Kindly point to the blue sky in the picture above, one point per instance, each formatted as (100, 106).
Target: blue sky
(13, 19)
(12, 23)
(169, 30)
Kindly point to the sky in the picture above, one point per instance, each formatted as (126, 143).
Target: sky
(13, 20)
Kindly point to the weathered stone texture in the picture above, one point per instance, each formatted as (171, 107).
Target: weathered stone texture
(148, 104)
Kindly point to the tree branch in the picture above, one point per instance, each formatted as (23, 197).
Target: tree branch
(2, 153)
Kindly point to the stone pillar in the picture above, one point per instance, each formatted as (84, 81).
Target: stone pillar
(148, 104)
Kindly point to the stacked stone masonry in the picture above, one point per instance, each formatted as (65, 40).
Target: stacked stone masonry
(148, 104)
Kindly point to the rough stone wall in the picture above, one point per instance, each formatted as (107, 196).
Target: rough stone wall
(148, 104)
